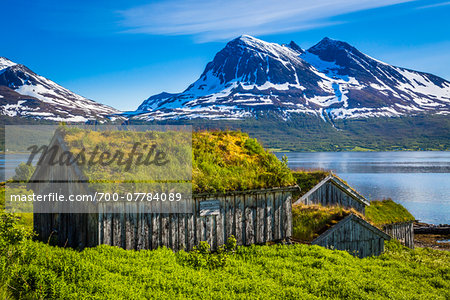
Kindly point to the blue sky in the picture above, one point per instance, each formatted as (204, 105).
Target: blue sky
(121, 52)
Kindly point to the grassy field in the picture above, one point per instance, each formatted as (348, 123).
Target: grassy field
(33, 270)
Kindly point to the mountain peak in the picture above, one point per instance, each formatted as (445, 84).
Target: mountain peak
(331, 44)
(5, 63)
(295, 47)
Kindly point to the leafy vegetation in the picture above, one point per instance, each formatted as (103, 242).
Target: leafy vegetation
(307, 179)
(387, 212)
(34, 270)
(202, 257)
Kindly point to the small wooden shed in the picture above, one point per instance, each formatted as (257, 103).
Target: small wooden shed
(355, 235)
(332, 191)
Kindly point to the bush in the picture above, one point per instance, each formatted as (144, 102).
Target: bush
(11, 232)
(202, 257)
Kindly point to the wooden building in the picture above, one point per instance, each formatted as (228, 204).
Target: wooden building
(252, 216)
(332, 191)
(355, 235)
(401, 231)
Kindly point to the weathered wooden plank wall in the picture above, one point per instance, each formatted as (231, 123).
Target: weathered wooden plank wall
(403, 232)
(329, 194)
(252, 217)
(63, 229)
(352, 235)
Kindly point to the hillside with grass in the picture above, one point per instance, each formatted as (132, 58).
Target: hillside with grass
(386, 211)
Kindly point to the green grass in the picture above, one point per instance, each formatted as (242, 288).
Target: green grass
(231, 160)
(310, 221)
(387, 211)
(307, 179)
(35, 270)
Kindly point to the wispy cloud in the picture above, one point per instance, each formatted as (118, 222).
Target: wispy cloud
(434, 5)
(209, 20)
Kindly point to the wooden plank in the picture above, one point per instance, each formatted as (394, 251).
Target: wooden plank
(230, 228)
(260, 217)
(165, 229)
(101, 234)
(148, 226)
(269, 217)
(190, 229)
(107, 229)
(173, 235)
(239, 210)
(209, 230)
(116, 225)
(249, 219)
(182, 225)
(219, 223)
(129, 227)
(288, 214)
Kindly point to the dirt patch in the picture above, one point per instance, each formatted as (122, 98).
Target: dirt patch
(431, 241)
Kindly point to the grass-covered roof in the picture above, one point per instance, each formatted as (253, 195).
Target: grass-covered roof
(310, 221)
(230, 160)
(222, 160)
(387, 211)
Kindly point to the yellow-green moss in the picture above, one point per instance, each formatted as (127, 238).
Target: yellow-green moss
(387, 212)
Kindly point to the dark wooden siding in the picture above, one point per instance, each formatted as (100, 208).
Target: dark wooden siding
(252, 217)
(354, 235)
(329, 194)
(403, 232)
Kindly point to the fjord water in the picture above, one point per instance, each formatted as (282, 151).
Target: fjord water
(418, 180)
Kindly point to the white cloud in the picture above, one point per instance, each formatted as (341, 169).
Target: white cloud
(434, 5)
(209, 20)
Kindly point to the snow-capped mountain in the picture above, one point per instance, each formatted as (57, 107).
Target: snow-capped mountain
(26, 94)
(332, 80)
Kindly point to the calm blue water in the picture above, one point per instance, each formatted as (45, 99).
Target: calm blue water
(418, 180)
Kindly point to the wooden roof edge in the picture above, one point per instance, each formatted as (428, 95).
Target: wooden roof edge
(397, 223)
(351, 217)
(330, 230)
(346, 188)
(291, 188)
(371, 227)
(56, 138)
(341, 185)
(315, 188)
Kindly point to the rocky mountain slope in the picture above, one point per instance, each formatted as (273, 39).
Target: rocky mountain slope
(24, 93)
(331, 80)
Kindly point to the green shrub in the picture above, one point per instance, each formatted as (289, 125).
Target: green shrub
(11, 232)
(202, 257)
(306, 180)
(23, 172)
(35, 270)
